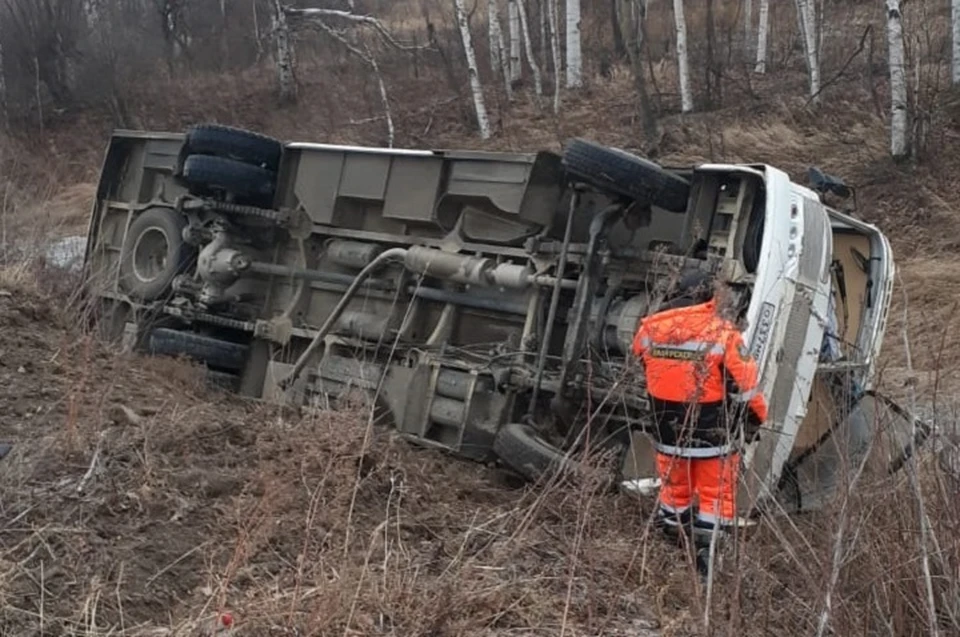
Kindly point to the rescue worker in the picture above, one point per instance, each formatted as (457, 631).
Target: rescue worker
(700, 377)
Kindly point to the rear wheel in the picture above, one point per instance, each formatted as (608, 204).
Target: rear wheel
(525, 451)
(213, 352)
(626, 174)
(206, 174)
(521, 447)
(153, 253)
(234, 143)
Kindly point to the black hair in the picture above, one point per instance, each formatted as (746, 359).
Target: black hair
(693, 288)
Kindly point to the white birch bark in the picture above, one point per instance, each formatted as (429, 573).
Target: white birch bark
(763, 29)
(553, 23)
(284, 54)
(955, 22)
(528, 47)
(747, 24)
(898, 81)
(3, 91)
(574, 55)
(496, 42)
(513, 16)
(686, 98)
(493, 27)
(475, 88)
(544, 7)
(256, 31)
(807, 17)
(91, 14)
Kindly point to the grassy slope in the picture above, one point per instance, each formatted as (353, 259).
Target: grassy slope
(198, 504)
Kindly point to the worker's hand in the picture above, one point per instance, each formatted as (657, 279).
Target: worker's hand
(751, 429)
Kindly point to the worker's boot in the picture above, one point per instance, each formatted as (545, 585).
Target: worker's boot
(676, 527)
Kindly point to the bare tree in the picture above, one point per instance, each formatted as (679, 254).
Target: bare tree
(3, 90)
(498, 51)
(173, 27)
(807, 20)
(256, 30)
(763, 30)
(528, 47)
(224, 36)
(493, 28)
(574, 54)
(513, 17)
(955, 22)
(475, 87)
(286, 73)
(747, 24)
(686, 97)
(898, 82)
(47, 45)
(555, 51)
(632, 15)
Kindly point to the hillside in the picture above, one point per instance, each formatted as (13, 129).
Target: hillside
(137, 503)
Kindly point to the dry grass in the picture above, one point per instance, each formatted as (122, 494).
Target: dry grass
(139, 503)
(194, 504)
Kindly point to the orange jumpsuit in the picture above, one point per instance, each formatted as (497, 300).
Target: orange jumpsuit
(700, 376)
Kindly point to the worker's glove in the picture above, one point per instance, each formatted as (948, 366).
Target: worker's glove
(751, 429)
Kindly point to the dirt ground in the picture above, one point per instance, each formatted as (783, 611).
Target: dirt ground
(138, 502)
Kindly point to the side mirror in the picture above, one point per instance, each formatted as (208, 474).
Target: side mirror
(824, 183)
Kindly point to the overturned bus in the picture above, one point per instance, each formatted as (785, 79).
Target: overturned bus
(485, 302)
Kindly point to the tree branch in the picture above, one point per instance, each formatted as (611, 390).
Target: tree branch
(367, 57)
(316, 15)
(846, 65)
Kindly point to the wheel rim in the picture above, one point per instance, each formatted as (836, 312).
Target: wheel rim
(150, 254)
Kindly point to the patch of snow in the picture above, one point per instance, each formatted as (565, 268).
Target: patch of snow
(67, 253)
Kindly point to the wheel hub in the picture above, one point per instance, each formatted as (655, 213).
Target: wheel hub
(150, 254)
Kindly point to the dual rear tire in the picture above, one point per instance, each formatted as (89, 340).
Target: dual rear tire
(230, 162)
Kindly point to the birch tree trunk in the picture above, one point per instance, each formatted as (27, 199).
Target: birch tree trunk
(762, 30)
(574, 54)
(955, 22)
(686, 99)
(898, 82)
(514, 20)
(493, 28)
(224, 36)
(496, 42)
(528, 47)
(544, 6)
(475, 88)
(747, 24)
(256, 31)
(284, 56)
(555, 51)
(808, 30)
(3, 92)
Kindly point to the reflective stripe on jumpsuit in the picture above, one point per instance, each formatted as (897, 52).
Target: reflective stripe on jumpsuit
(700, 377)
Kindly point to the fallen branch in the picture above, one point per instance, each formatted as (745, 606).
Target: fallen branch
(93, 465)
